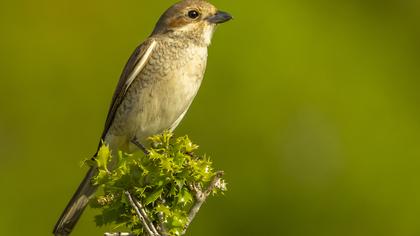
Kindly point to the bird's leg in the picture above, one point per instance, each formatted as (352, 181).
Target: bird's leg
(139, 145)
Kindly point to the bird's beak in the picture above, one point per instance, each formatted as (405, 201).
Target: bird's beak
(219, 17)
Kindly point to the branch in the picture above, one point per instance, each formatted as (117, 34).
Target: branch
(201, 196)
(143, 212)
(150, 228)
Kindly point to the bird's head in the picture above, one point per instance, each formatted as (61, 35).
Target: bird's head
(195, 19)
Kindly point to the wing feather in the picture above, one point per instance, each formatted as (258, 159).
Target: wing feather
(133, 67)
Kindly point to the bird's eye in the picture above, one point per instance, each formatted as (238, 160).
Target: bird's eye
(193, 14)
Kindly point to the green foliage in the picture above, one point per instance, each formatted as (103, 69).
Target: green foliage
(161, 181)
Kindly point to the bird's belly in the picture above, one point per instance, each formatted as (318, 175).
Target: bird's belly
(162, 106)
(156, 103)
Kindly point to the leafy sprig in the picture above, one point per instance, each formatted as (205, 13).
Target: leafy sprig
(169, 183)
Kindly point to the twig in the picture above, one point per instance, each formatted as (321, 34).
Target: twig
(143, 212)
(200, 197)
(141, 217)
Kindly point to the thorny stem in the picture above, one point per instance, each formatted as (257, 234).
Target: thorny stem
(200, 197)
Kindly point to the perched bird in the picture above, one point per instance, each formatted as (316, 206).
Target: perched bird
(156, 88)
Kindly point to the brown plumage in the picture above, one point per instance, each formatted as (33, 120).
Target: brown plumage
(156, 87)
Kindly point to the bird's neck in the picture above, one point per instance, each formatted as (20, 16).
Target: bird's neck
(201, 38)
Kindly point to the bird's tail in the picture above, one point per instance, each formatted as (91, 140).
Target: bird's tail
(77, 204)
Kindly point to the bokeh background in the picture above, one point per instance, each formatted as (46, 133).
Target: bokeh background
(311, 108)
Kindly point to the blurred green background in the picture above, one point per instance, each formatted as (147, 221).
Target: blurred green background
(311, 108)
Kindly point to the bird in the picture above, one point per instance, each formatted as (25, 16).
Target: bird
(155, 90)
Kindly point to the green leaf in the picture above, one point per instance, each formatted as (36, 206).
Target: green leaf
(184, 197)
(103, 157)
(153, 197)
(163, 209)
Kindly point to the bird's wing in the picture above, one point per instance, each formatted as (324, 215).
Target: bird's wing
(131, 70)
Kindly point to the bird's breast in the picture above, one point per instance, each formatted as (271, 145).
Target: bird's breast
(161, 94)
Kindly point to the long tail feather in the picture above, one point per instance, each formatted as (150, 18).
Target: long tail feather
(77, 204)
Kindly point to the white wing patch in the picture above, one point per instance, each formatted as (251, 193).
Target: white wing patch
(140, 65)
